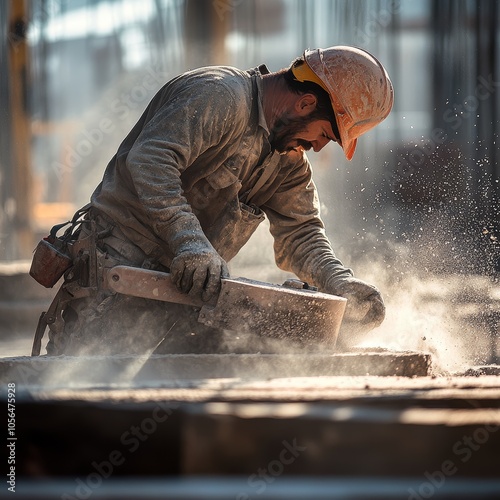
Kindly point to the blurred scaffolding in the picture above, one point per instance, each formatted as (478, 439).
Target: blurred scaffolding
(76, 74)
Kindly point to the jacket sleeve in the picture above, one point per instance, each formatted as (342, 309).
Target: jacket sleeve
(300, 242)
(188, 120)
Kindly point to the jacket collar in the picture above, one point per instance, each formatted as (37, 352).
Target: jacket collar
(258, 72)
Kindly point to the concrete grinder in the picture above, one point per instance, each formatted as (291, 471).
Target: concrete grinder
(293, 310)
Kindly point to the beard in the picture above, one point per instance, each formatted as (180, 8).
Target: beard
(285, 132)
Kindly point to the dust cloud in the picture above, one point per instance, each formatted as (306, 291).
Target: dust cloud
(429, 309)
(430, 315)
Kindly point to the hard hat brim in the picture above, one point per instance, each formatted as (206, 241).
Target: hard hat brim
(350, 148)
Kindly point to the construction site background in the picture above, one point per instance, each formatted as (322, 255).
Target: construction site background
(415, 211)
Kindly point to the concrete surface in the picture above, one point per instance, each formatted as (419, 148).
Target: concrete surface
(66, 370)
(331, 426)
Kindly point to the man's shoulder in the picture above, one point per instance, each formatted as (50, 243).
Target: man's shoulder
(218, 73)
(221, 87)
(237, 81)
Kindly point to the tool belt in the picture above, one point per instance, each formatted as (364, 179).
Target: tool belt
(73, 254)
(53, 254)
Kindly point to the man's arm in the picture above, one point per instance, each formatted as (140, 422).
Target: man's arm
(301, 246)
(188, 122)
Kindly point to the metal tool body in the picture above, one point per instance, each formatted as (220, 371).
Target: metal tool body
(244, 305)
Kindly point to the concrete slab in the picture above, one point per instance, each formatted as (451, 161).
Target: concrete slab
(400, 392)
(256, 427)
(64, 370)
(365, 426)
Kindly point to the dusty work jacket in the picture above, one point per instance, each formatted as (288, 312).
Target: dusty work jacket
(202, 147)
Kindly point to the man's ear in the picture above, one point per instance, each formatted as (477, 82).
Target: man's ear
(305, 104)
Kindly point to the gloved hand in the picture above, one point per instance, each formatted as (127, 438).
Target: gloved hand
(365, 306)
(197, 270)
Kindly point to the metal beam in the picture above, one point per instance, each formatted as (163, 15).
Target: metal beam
(19, 204)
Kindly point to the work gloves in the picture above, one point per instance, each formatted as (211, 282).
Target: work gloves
(365, 308)
(196, 268)
(364, 303)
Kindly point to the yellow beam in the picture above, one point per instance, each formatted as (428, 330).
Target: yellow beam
(21, 131)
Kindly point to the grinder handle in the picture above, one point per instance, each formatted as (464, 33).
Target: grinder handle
(147, 284)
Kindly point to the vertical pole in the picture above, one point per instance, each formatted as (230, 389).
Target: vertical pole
(21, 204)
(206, 26)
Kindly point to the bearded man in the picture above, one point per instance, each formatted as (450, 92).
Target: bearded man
(216, 152)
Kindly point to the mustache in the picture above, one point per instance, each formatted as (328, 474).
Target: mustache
(306, 145)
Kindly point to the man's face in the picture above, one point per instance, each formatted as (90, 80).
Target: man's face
(301, 133)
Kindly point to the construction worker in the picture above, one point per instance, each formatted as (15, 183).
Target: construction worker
(215, 152)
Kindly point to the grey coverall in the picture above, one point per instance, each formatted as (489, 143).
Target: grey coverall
(198, 156)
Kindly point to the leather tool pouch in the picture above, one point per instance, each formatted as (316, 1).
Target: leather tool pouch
(52, 256)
